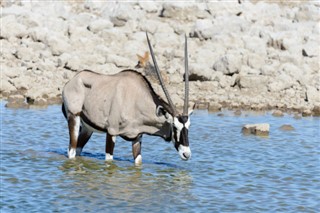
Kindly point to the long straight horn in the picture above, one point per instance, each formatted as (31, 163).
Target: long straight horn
(186, 78)
(160, 78)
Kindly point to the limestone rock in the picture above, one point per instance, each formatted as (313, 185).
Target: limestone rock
(316, 110)
(256, 129)
(287, 127)
(149, 7)
(203, 29)
(99, 24)
(312, 94)
(278, 113)
(254, 82)
(228, 64)
(58, 44)
(16, 101)
(10, 27)
(181, 11)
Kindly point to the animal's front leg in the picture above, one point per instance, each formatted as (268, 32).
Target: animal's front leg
(136, 150)
(110, 142)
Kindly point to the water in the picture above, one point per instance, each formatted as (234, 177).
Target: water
(228, 172)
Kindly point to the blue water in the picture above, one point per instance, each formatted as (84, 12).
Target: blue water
(228, 172)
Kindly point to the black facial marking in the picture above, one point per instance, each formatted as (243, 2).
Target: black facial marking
(183, 119)
(184, 139)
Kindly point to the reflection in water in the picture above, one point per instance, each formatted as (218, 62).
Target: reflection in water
(129, 186)
(228, 172)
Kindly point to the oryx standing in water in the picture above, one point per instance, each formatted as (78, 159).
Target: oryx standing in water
(125, 105)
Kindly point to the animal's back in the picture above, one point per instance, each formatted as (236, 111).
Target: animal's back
(112, 102)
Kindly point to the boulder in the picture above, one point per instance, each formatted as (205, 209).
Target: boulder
(306, 113)
(255, 45)
(58, 44)
(256, 129)
(150, 26)
(282, 82)
(149, 7)
(99, 24)
(286, 127)
(119, 61)
(253, 82)
(202, 29)
(16, 101)
(10, 27)
(200, 73)
(228, 64)
(312, 94)
(182, 11)
(277, 113)
(316, 110)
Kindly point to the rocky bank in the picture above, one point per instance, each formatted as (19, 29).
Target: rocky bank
(242, 54)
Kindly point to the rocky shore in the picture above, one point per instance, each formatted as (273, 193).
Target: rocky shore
(256, 55)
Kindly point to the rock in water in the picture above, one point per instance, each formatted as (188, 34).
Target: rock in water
(286, 127)
(256, 129)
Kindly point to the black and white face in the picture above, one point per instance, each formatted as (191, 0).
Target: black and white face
(180, 137)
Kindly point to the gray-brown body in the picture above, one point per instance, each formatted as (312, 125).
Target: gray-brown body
(123, 104)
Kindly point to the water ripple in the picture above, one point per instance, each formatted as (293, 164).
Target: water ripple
(228, 172)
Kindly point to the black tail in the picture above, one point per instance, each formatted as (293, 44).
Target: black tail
(64, 111)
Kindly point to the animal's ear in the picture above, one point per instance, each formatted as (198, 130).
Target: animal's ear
(160, 111)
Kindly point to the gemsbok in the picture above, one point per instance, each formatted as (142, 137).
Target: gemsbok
(125, 105)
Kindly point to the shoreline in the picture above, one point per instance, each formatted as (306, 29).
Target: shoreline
(21, 103)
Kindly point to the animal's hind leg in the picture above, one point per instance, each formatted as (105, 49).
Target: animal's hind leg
(136, 150)
(74, 126)
(83, 138)
(110, 142)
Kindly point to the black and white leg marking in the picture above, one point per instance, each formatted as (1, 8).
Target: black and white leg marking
(136, 150)
(110, 142)
(74, 127)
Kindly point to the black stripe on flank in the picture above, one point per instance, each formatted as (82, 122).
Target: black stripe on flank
(91, 124)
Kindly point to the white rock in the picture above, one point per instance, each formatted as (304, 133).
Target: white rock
(11, 28)
(281, 82)
(38, 34)
(312, 48)
(255, 45)
(228, 64)
(58, 44)
(150, 7)
(99, 24)
(120, 61)
(182, 11)
(313, 95)
(149, 26)
(257, 129)
(253, 82)
(6, 86)
(200, 73)
(203, 29)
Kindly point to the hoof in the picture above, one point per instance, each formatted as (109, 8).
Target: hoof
(72, 153)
